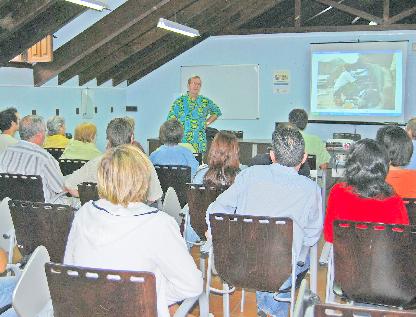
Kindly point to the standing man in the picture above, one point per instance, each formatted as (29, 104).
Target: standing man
(9, 124)
(195, 113)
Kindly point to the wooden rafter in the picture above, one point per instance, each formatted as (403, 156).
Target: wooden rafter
(165, 8)
(48, 22)
(402, 15)
(351, 10)
(93, 38)
(386, 10)
(185, 16)
(298, 13)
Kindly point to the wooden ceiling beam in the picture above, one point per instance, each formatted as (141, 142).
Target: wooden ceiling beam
(350, 10)
(402, 15)
(232, 17)
(166, 8)
(185, 16)
(22, 13)
(324, 28)
(386, 10)
(195, 18)
(46, 23)
(93, 38)
(17, 65)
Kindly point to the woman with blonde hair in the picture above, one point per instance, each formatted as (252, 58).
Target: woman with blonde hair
(82, 146)
(121, 232)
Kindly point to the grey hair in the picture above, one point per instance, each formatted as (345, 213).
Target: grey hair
(411, 126)
(54, 124)
(119, 131)
(30, 126)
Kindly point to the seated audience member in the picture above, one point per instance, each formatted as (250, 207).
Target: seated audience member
(365, 195)
(27, 157)
(277, 190)
(56, 133)
(170, 153)
(399, 150)
(223, 162)
(313, 144)
(82, 147)
(119, 131)
(9, 124)
(411, 131)
(7, 285)
(133, 124)
(137, 237)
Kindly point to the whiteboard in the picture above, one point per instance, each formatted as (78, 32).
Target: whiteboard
(234, 88)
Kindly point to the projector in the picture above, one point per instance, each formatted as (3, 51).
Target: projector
(339, 144)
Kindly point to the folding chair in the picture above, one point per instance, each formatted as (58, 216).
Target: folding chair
(69, 166)
(55, 152)
(374, 263)
(32, 293)
(410, 204)
(252, 252)
(7, 238)
(305, 301)
(87, 191)
(175, 176)
(198, 157)
(79, 291)
(325, 310)
(171, 205)
(41, 224)
(21, 187)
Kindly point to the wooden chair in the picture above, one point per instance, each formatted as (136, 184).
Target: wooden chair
(87, 191)
(198, 157)
(252, 252)
(374, 263)
(199, 198)
(21, 187)
(79, 291)
(312, 161)
(55, 152)
(175, 176)
(69, 166)
(410, 204)
(325, 310)
(41, 224)
(7, 238)
(32, 293)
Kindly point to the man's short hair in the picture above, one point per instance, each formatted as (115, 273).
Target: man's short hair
(124, 175)
(288, 145)
(30, 126)
(299, 118)
(7, 117)
(119, 131)
(54, 124)
(411, 127)
(398, 144)
(171, 132)
(193, 77)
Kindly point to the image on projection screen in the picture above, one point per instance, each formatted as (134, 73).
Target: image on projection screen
(356, 82)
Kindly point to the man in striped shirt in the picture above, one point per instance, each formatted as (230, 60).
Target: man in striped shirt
(27, 157)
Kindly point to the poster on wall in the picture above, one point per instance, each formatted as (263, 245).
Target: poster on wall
(281, 82)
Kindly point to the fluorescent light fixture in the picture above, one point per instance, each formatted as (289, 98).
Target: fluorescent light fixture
(93, 4)
(177, 27)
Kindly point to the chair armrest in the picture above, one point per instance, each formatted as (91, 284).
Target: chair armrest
(5, 308)
(303, 255)
(326, 250)
(186, 306)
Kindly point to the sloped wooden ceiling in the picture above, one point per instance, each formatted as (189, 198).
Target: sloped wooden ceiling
(25, 22)
(126, 44)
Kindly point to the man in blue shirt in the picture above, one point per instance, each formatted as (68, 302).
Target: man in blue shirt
(411, 131)
(195, 113)
(277, 190)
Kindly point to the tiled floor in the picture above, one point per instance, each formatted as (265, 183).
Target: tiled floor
(250, 309)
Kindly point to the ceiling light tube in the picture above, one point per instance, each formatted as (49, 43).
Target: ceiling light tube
(93, 4)
(177, 27)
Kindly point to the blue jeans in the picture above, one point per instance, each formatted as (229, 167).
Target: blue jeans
(267, 303)
(7, 285)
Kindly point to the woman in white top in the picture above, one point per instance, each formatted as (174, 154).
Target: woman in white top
(121, 232)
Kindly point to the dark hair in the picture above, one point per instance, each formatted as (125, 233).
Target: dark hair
(366, 169)
(119, 131)
(288, 145)
(299, 118)
(171, 132)
(223, 160)
(7, 117)
(398, 144)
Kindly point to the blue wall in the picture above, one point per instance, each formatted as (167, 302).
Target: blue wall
(154, 93)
